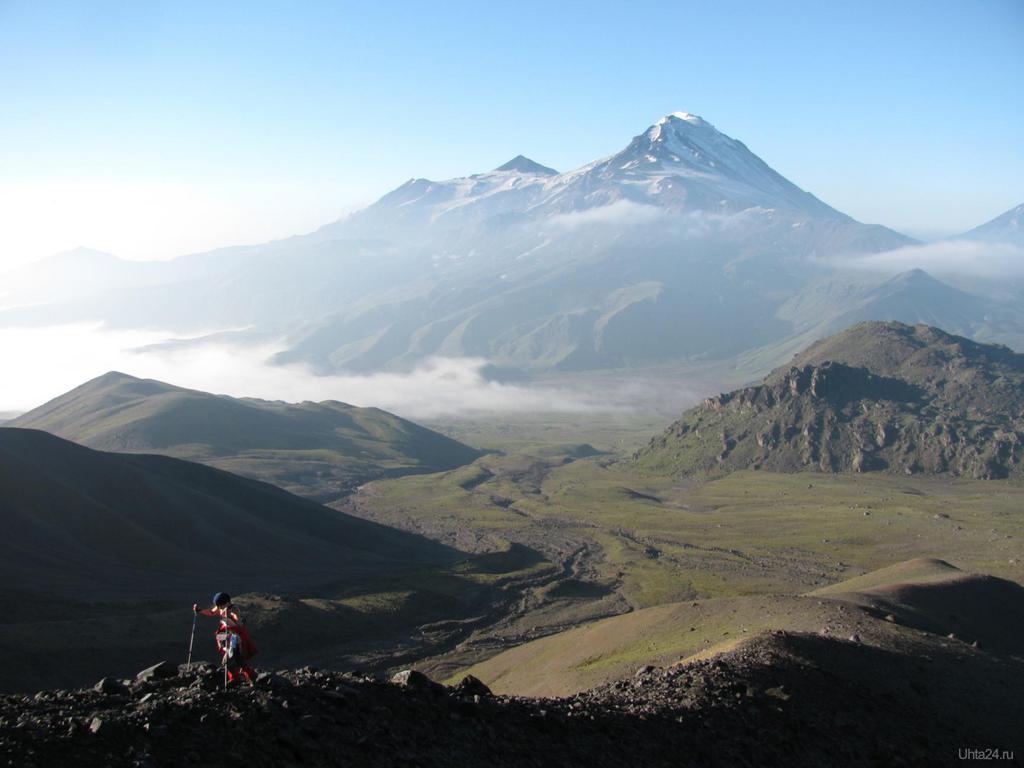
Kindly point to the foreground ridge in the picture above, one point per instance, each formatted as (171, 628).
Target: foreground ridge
(781, 698)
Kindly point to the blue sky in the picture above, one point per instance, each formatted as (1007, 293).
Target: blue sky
(151, 129)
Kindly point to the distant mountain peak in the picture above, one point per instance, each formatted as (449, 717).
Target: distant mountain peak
(1008, 227)
(687, 162)
(113, 376)
(684, 117)
(682, 137)
(916, 275)
(917, 279)
(523, 164)
(680, 124)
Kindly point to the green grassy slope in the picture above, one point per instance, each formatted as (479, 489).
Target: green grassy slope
(317, 449)
(614, 648)
(632, 539)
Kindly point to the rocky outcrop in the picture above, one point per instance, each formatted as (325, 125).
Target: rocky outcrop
(779, 699)
(896, 398)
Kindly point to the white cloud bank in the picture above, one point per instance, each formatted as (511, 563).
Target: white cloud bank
(620, 213)
(42, 363)
(952, 257)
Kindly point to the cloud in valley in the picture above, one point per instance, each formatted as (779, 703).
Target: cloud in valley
(951, 257)
(41, 363)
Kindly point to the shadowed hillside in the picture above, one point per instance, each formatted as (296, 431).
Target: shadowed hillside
(103, 555)
(319, 450)
(81, 522)
(878, 396)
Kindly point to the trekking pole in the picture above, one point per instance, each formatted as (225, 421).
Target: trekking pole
(191, 640)
(222, 648)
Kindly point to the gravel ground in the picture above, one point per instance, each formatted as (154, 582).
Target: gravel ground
(781, 699)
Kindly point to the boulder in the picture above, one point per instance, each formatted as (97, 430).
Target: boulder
(161, 671)
(472, 686)
(109, 686)
(410, 678)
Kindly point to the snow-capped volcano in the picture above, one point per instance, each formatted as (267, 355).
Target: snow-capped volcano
(689, 145)
(684, 162)
(681, 164)
(682, 245)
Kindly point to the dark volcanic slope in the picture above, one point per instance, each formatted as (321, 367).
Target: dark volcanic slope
(79, 522)
(318, 449)
(781, 699)
(878, 396)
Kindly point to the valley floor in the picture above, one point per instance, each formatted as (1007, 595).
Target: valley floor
(622, 540)
(620, 617)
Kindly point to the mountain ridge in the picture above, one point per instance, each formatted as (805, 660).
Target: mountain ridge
(877, 396)
(1007, 227)
(317, 449)
(681, 162)
(87, 523)
(857, 686)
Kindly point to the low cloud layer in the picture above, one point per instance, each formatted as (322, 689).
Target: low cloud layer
(952, 257)
(41, 363)
(620, 213)
(623, 215)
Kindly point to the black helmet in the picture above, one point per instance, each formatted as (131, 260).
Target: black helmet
(221, 599)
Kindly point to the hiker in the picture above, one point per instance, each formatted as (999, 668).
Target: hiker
(233, 641)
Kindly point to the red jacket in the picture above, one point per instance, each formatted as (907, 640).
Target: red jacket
(232, 622)
(248, 647)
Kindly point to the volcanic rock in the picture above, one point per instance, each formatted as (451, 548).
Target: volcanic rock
(410, 678)
(109, 686)
(472, 686)
(160, 671)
